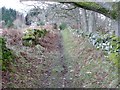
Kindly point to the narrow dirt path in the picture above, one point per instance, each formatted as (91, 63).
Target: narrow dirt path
(55, 77)
(68, 62)
(62, 59)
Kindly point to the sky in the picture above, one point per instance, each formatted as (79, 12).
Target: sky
(19, 6)
(16, 4)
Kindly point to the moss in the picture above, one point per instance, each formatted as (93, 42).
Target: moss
(90, 4)
(98, 8)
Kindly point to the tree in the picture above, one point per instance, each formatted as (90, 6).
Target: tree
(94, 6)
(113, 13)
(92, 22)
(109, 9)
(85, 20)
(8, 15)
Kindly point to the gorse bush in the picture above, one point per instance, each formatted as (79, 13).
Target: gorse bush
(32, 35)
(6, 55)
(40, 33)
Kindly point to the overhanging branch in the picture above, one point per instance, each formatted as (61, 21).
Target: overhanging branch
(97, 8)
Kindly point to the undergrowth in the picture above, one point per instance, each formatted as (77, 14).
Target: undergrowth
(87, 66)
(31, 37)
(6, 55)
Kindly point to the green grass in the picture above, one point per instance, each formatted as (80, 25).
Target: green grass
(90, 68)
(87, 67)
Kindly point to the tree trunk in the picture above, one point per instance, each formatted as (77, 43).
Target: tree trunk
(93, 6)
(92, 22)
(117, 31)
(117, 28)
(85, 21)
(79, 19)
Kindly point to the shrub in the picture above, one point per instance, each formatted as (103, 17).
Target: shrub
(63, 26)
(115, 50)
(32, 35)
(29, 35)
(115, 57)
(6, 55)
